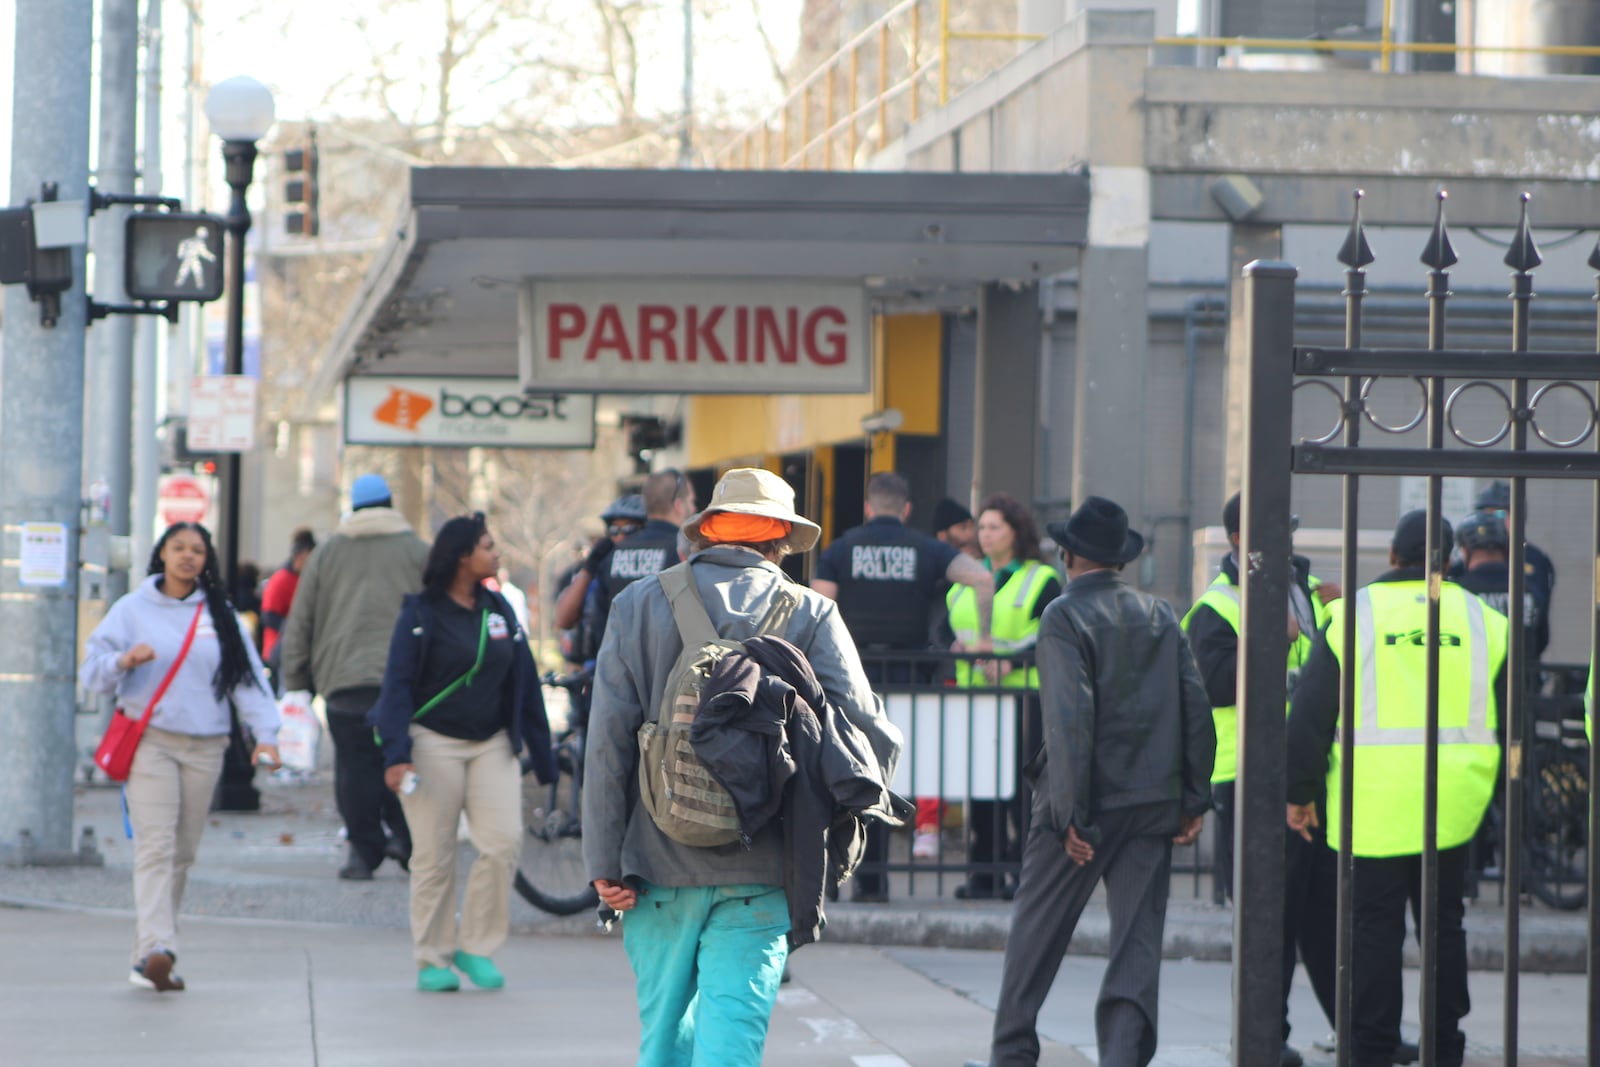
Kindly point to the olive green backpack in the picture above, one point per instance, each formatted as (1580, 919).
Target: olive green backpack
(687, 803)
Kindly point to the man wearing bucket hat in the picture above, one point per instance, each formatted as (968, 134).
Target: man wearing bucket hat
(1125, 773)
(706, 927)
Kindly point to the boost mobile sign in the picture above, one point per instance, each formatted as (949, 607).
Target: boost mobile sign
(463, 412)
(702, 336)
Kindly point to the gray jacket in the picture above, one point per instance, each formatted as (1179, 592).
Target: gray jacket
(337, 634)
(641, 644)
(1126, 718)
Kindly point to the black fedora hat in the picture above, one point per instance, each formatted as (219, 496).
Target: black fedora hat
(1098, 530)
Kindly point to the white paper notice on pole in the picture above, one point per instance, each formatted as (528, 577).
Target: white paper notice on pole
(702, 336)
(43, 557)
(222, 413)
(464, 413)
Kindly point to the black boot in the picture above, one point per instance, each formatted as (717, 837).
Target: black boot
(355, 868)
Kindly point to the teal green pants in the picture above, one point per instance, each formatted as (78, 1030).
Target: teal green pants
(707, 961)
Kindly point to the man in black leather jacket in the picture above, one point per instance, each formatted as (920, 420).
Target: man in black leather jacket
(1125, 773)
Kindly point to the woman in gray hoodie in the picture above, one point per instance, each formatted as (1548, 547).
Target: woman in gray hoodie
(175, 771)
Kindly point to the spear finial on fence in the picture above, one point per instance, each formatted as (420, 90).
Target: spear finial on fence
(1523, 255)
(1439, 255)
(1356, 253)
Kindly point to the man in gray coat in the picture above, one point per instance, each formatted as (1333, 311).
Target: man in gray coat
(705, 928)
(336, 642)
(1124, 775)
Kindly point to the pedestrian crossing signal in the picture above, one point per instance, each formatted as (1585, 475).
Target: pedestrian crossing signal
(174, 256)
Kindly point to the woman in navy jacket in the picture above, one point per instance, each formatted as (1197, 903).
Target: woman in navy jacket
(460, 701)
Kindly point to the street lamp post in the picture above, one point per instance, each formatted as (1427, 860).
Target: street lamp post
(240, 111)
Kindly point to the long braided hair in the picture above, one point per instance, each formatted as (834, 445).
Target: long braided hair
(235, 667)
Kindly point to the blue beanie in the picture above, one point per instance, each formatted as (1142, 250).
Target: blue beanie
(369, 491)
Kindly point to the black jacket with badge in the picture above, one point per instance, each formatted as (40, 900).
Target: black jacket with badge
(1126, 718)
(768, 733)
(521, 699)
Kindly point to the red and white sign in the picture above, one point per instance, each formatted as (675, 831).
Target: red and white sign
(222, 413)
(705, 336)
(182, 498)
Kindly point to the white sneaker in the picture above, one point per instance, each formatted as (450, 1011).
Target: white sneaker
(925, 846)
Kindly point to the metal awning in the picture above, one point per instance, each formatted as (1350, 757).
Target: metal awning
(441, 296)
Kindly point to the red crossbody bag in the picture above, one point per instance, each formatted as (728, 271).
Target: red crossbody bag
(114, 757)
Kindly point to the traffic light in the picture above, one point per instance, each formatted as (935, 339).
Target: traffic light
(300, 191)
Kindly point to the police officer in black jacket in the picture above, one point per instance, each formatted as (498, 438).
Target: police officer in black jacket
(887, 579)
(668, 500)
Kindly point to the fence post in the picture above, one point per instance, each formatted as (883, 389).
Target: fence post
(1264, 580)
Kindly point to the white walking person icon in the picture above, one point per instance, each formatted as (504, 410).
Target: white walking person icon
(193, 255)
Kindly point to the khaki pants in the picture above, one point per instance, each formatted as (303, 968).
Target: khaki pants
(169, 795)
(484, 778)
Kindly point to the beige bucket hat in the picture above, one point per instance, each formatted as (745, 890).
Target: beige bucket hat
(753, 491)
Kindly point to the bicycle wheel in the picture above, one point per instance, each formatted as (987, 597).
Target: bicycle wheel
(1557, 846)
(551, 875)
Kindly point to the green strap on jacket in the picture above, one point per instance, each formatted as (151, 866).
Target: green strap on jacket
(465, 680)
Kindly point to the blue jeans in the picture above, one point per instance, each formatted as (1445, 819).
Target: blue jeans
(707, 961)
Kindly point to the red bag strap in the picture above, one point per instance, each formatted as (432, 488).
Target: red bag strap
(172, 671)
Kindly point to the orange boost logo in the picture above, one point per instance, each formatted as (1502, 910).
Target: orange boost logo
(403, 409)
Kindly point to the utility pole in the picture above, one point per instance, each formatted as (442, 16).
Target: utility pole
(41, 437)
(146, 458)
(108, 411)
(686, 129)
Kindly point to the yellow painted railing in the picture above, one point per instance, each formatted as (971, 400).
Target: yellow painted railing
(859, 100)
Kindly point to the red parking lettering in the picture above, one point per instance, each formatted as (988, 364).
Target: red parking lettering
(657, 323)
(836, 340)
(608, 333)
(702, 331)
(785, 344)
(567, 322)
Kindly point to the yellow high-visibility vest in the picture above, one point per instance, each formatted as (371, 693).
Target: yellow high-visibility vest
(1222, 597)
(1013, 626)
(1391, 714)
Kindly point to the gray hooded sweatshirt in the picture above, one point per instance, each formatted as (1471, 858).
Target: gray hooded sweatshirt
(190, 706)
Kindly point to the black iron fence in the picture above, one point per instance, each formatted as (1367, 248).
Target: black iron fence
(971, 727)
(1521, 443)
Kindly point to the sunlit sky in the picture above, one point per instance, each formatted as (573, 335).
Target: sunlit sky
(311, 53)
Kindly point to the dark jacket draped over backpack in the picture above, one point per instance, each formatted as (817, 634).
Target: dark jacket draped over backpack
(769, 735)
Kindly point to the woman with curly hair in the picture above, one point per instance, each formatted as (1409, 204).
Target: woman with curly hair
(1023, 585)
(182, 603)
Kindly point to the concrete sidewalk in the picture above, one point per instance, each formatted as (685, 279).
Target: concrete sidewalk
(288, 965)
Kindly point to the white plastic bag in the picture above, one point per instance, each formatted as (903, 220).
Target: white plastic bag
(298, 732)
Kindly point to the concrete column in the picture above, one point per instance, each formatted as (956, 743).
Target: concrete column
(1246, 243)
(41, 437)
(1006, 393)
(1108, 452)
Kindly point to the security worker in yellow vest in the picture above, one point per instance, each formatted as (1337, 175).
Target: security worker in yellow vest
(1024, 586)
(1310, 907)
(1389, 662)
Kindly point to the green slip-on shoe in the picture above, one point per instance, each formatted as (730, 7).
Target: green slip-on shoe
(437, 980)
(481, 969)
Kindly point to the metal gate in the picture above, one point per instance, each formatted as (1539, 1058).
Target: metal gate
(1278, 371)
